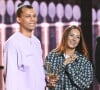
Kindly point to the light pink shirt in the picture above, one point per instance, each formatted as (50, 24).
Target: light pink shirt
(23, 63)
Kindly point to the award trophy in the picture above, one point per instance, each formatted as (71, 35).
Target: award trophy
(52, 75)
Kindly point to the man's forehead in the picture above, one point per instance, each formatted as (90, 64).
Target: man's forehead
(25, 10)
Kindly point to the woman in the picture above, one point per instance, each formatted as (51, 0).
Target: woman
(72, 59)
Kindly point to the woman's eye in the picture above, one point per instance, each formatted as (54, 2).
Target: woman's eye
(71, 35)
(78, 37)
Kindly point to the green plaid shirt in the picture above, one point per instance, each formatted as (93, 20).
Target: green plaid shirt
(75, 76)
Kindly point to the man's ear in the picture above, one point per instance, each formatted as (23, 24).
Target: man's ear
(18, 19)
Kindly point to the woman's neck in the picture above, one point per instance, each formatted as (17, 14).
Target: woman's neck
(70, 52)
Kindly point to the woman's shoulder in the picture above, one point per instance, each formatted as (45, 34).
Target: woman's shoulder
(82, 58)
(53, 51)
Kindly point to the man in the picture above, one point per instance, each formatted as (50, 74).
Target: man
(97, 59)
(23, 55)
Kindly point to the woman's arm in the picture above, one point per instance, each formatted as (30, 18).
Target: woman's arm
(80, 73)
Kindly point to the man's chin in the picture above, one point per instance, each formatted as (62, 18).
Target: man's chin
(30, 30)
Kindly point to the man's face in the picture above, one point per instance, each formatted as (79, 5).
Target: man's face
(28, 19)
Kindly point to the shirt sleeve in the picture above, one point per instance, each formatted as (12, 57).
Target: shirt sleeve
(80, 73)
(10, 67)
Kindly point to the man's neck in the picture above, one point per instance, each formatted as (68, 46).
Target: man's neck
(27, 33)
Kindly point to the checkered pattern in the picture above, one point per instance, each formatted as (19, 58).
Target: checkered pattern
(75, 76)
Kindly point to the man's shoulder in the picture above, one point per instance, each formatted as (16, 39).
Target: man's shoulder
(35, 39)
(11, 39)
(98, 39)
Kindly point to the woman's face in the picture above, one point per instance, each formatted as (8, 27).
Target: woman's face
(73, 38)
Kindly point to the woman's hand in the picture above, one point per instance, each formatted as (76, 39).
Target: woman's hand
(70, 59)
(52, 80)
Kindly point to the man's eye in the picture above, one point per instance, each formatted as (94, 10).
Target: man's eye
(34, 16)
(27, 16)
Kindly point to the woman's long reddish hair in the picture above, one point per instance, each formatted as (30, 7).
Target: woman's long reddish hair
(82, 48)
